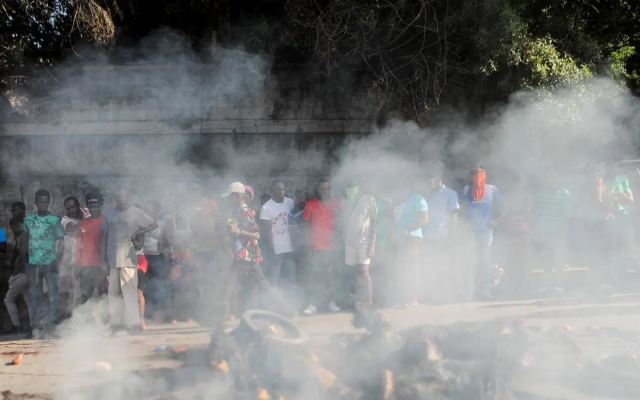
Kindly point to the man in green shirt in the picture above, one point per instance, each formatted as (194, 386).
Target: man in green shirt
(621, 247)
(43, 235)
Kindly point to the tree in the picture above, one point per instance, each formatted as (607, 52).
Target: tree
(409, 56)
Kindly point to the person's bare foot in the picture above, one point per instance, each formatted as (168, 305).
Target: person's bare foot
(143, 326)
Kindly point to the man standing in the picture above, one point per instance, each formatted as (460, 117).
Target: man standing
(243, 236)
(478, 200)
(320, 214)
(360, 218)
(440, 281)
(18, 281)
(411, 216)
(203, 221)
(90, 273)
(621, 249)
(274, 215)
(158, 292)
(552, 207)
(120, 227)
(43, 243)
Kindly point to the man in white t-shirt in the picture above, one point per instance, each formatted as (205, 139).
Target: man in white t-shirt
(360, 217)
(274, 216)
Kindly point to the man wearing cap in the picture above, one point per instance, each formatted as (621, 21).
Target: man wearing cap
(242, 238)
(90, 274)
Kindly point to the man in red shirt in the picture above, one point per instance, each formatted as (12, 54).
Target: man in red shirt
(320, 214)
(91, 272)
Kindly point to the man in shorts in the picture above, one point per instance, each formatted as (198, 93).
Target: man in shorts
(120, 228)
(360, 213)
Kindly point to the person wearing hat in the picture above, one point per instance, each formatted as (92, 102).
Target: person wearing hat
(90, 272)
(242, 238)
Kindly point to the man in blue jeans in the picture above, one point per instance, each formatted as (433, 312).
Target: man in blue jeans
(274, 216)
(43, 242)
(478, 203)
(412, 213)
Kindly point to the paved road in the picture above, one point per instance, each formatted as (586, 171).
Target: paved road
(77, 361)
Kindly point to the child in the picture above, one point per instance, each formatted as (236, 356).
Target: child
(138, 243)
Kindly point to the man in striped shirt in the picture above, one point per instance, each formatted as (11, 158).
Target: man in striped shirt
(552, 207)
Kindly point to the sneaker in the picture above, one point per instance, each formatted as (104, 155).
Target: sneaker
(310, 310)
(333, 307)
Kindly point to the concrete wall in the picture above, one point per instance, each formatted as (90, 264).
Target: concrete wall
(159, 127)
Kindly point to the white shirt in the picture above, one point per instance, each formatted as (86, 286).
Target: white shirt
(278, 214)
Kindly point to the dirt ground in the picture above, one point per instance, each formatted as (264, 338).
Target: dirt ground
(91, 360)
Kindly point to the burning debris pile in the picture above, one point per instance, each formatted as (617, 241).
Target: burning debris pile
(267, 357)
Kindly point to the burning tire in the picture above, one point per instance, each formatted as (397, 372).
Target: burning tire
(272, 327)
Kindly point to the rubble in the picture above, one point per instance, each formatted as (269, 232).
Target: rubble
(17, 360)
(267, 357)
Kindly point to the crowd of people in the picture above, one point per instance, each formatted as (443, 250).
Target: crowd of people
(311, 253)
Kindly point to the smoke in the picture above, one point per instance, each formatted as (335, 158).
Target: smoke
(162, 116)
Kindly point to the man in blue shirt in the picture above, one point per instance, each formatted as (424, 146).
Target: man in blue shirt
(478, 200)
(411, 215)
(443, 211)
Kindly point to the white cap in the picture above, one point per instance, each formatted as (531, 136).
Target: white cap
(235, 187)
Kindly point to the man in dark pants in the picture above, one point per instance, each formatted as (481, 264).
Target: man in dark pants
(43, 242)
(478, 200)
(90, 274)
(440, 279)
(274, 216)
(242, 239)
(320, 214)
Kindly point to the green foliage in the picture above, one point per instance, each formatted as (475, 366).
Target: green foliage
(408, 57)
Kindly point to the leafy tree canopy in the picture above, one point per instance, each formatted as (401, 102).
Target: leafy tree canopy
(409, 56)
